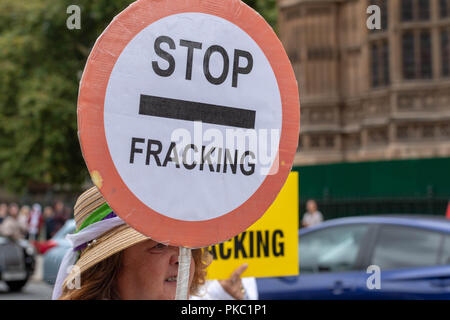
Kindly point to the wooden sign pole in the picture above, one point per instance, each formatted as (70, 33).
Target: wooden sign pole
(184, 264)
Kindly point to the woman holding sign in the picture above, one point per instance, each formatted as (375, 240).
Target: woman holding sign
(137, 92)
(110, 260)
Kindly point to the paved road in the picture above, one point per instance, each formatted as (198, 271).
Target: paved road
(33, 290)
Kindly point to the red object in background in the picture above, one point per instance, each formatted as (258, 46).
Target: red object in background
(447, 215)
(43, 247)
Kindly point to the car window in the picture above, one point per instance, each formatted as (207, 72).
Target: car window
(445, 257)
(332, 249)
(403, 247)
(68, 227)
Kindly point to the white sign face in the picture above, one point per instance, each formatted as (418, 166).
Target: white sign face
(193, 108)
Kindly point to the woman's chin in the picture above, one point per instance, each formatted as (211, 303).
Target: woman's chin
(170, 289)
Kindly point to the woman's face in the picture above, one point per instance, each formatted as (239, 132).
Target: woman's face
(149, 272)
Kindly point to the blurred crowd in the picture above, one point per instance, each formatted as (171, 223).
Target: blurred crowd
(32, 223)
(39, 224)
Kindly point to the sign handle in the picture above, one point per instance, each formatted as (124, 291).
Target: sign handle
(184, 264)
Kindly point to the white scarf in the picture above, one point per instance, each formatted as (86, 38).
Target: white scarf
(86, 235)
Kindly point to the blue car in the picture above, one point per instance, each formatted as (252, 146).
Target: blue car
(341, 258)
(56, 248)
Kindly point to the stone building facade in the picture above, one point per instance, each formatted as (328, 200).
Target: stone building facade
(369, 94)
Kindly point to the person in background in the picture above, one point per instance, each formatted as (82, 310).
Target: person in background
(23, 218)
(48, 223)
(59, 217)
(3, 211)
(35, 222)
(312, 216)
(68, 213)
(11, 226)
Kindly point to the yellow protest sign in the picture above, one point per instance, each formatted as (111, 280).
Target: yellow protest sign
(270, 246)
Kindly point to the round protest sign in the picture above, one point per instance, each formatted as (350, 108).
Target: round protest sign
(188, 118)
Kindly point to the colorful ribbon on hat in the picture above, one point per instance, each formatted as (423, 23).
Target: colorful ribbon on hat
(101, 213)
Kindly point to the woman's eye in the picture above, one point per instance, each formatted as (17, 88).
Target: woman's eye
(159, 246)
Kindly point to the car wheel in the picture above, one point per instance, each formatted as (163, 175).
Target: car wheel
(15, 286)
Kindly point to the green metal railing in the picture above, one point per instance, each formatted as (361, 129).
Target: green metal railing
(420, 186)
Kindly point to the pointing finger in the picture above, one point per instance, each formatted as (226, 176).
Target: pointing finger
(239, 270)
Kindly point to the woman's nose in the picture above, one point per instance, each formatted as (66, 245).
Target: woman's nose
(174, 253)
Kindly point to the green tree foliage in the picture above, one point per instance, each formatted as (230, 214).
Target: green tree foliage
(267, 8)
(41, 63)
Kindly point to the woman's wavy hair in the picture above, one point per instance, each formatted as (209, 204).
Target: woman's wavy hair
(100, 281)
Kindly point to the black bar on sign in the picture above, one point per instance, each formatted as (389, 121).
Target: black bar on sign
(196, 111)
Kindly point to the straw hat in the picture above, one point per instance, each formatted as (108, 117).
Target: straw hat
(110, 242)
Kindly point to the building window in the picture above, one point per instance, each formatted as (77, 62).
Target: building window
(301, 143)
(314, 142)
(444, 6)
(408, 55)
(318, 11)
(293, 13)
(428, 131)
(425, 55)
(416, 53)
(375, 67)
(407, 10)
(321, 141)
(352, 141)
(294, 56)
(445, 130)
(380, 63)
(385, 61)
(324, 53)
(329, 141)
(377, 136)
(423, 7)
(415, 10)
(402, 132)
(445, 47)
